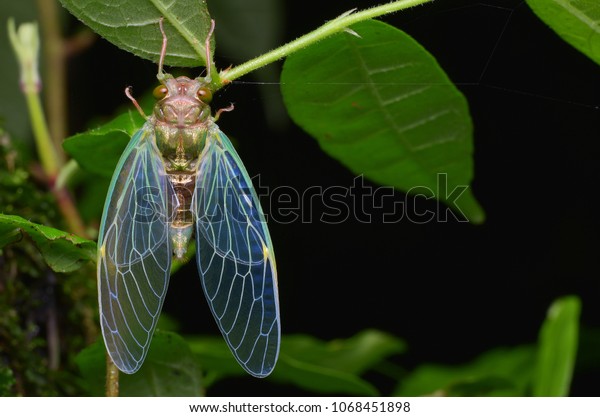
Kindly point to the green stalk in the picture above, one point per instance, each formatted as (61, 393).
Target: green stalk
(69, 171)
(46, 150)
(55, 71)
(334, 26)
(25, 42)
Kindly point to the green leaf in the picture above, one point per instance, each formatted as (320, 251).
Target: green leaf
(215, 359)
(320, 379)
(218, 363)
(213, 356)
(325, 367)
(334, 367)
(381, 105)
(62, 251)
(576, 21)
(355, 355)
(170, 370)
(133, 25)
(98, 150)
(91, 195)
(500, 372)
(258, 25)
(557, 348)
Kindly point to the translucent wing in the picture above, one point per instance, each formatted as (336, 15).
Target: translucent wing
(134, 252)
(235, 256)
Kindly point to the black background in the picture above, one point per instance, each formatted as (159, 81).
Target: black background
(451, 290)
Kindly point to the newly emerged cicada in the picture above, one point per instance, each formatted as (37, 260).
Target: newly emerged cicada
(180, 176)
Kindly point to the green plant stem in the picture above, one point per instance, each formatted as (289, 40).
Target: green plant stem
(49, 157)
(25, 42)
(52, 163)
(69, 211)
(69, 171)
(54, 71)
(334, 26)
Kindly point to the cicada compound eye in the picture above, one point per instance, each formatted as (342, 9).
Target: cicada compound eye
(204, 94)
(160, 92)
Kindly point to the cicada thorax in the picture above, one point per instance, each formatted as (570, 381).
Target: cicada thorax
(181, 122)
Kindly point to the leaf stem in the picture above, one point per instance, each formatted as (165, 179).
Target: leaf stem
(69, 211)
(334, 26)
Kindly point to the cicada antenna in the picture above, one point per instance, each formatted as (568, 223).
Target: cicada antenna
(220, 111)
(135, 103)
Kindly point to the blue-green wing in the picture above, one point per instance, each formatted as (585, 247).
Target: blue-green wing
(134, 251)
(235, 256)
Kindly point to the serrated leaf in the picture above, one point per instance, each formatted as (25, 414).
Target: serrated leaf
(98, 150)
(133, 25)
(576, 21)
(557, 348)
(169, 370)
(500, 372)
(62, 251)
(381, 105)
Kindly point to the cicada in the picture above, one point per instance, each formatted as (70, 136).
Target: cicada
(180, 176)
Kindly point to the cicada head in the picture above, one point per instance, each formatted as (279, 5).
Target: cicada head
(182, 102)
(181, 120)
